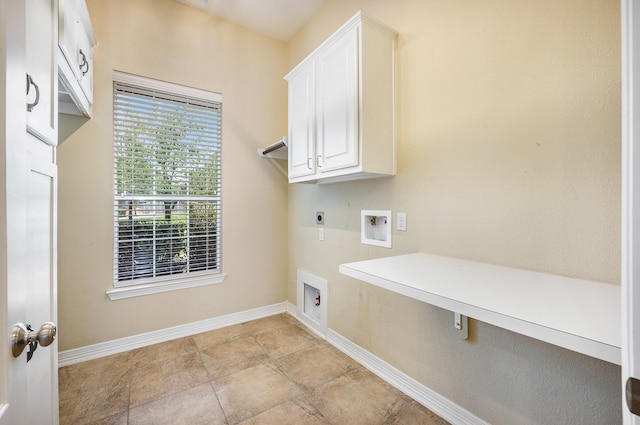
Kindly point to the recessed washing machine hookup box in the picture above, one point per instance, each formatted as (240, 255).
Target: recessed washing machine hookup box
(312, 301)
(376, 228)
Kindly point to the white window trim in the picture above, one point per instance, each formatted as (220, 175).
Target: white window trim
(158, 85)
(175, 283)
(124, 292)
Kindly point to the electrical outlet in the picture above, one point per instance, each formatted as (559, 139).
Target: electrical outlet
(321, 234)
(401, 222)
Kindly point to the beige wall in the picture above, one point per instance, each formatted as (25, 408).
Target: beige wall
(508, 152)
(165, 40)
(508, 132)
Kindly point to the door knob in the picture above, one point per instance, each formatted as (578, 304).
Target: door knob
(24, 335)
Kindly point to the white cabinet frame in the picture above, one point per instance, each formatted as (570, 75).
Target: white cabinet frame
(342, 106)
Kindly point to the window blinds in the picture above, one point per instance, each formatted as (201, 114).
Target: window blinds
(167, 184)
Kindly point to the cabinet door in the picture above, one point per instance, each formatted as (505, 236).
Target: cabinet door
(68, 36)
(301, 123)
(337, 104)
(85, 59)
(42, 76)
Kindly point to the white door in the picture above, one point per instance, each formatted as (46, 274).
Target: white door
(337, 104)
(630, 210)
(42, 369)
(28, 390)
(30, 387)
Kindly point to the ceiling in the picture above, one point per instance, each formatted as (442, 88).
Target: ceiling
(279, 19)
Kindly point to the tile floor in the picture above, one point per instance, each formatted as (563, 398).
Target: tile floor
(268, 371)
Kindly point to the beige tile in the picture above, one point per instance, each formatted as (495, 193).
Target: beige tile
(117, 419)
(195, 406)
(415, 413)
(293, 412)
(259, 370)
(314, 366)
(95, 389)
(283, 341)
(270, 323)
(164, 351)
(252, 391)
(154, 380)
(219, 336)
(233, 356)
(355, 399)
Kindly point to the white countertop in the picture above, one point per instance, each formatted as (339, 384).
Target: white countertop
(579, 315)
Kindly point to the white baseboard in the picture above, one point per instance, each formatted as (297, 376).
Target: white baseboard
(103, 349)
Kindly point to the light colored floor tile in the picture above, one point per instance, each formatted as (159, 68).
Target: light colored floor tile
(219, 336)
(164, 351)
(117, 419)
(233, 356)
(254, 372)
(355, 399)
(283, 341)
(95, 389)
(252, 391)
(270, 323)
(154, 380)
(195, 406)
(314, 366)
(414, 413)
(293, 412)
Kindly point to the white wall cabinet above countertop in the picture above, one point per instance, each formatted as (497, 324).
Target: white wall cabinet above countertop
(342, 106)
(40, 66)
(579, 315)
(75, 58)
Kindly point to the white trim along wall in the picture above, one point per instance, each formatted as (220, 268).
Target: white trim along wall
(103, 349)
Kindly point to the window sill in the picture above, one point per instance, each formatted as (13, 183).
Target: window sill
(166, 286)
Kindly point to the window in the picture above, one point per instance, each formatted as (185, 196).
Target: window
(167, 145)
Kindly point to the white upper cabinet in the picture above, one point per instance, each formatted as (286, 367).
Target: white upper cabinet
(76, 40)
(301, 113)
(337, 104)
(41, 74)
(342, 106)
(85, 53)
(68, 35)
